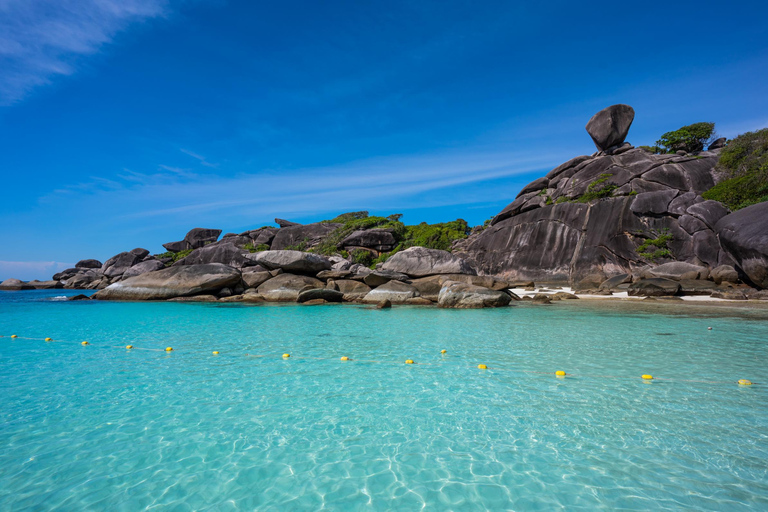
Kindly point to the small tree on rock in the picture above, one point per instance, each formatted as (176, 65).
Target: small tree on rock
(691, 138)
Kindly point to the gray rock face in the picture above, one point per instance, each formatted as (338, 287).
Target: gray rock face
(172, 282)
(292, 261)
(609, 127)
(45, 285)
(464, 296)
(654, 287)
(379, 277)
(717, 144)
(176, 246)
(253, 279)
(308, 234)
(724, 274)
(140, 253)
(352, 290)
(377, 239)
(143, 267)
(394, 291)
(320, 294)
(15, 284)
(88, 280)
(676, 270)
(88, 264)
(118, 264)
(287, 287)
(709, 212)
(223, 252)
(743, 234)
(199, 237)
(422, 262)
(286, 223)
(556, 237)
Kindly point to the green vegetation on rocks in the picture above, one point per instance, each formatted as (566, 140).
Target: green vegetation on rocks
(598, 189)
(655, 248)
(744, 165)
(175, 256)
(689, 138)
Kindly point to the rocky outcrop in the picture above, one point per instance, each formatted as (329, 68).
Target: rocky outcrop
(352, 290)
(118, 264)
(464, 296)
(616, 212)
(394, 291)
(654, 287)
(15, 284)
(306, 235)
(88, 264)
(609, 127)
(143, 267)
(287, 287)
(324, 294)
(194, 239)
(292, 261)
(744, 236)
(219, 252)
(421, 262)
(172, 282)
(380, 240)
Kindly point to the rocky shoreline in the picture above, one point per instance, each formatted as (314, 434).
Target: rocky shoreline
(620, 221)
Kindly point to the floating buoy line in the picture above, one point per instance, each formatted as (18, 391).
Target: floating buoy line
(286, 356)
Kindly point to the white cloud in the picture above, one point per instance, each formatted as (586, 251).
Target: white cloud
(28, 270)
(40, 39)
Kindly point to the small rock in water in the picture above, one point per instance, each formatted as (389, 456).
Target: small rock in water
(385, 304)
(79, 296)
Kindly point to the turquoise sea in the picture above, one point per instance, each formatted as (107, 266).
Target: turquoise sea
(99, 427)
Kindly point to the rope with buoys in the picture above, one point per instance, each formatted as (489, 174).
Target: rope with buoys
(286, 356)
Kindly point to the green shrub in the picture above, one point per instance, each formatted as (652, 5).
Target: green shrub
(361, 256)
(658, 246)
(255, 248)
(435, 236)
(689, 138)
(744, 165)
(598, 189)
(175, 256)
(299, 246)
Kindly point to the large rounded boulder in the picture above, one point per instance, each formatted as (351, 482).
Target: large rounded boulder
(287, 287)
(743, 235)
(292, 261)
(172, 282)
(468, 296)
(609, 127)
(422, 262)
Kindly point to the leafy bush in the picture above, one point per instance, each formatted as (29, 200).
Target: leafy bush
(354, 221)
(689, 138)
(175, 256)
(658, 246)
(598, 189)
(256, 248)
(744, 165)
(435, 236)
(361, 256)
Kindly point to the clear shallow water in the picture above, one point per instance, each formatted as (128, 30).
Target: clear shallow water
(99, 427)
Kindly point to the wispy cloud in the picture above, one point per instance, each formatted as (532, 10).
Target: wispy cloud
(27, 270)
(40, 39)
(200, 158)
(390, 182)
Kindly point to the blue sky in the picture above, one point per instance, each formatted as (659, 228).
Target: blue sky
(125, 123)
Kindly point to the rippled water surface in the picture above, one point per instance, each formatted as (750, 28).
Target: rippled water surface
(99, 427)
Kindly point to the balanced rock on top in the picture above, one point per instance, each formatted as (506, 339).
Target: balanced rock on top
(609, 127)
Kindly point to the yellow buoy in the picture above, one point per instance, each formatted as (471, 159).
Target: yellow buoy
(169, 349)
(647, 377)
(129, 347)
(286, 355)
(443, 351)
(14, 336)
(745, 382)
(409, 361)
(85, 343)
(215, 352)
(48, 339)
(482, 367)
(560, 373)
(344, 358)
